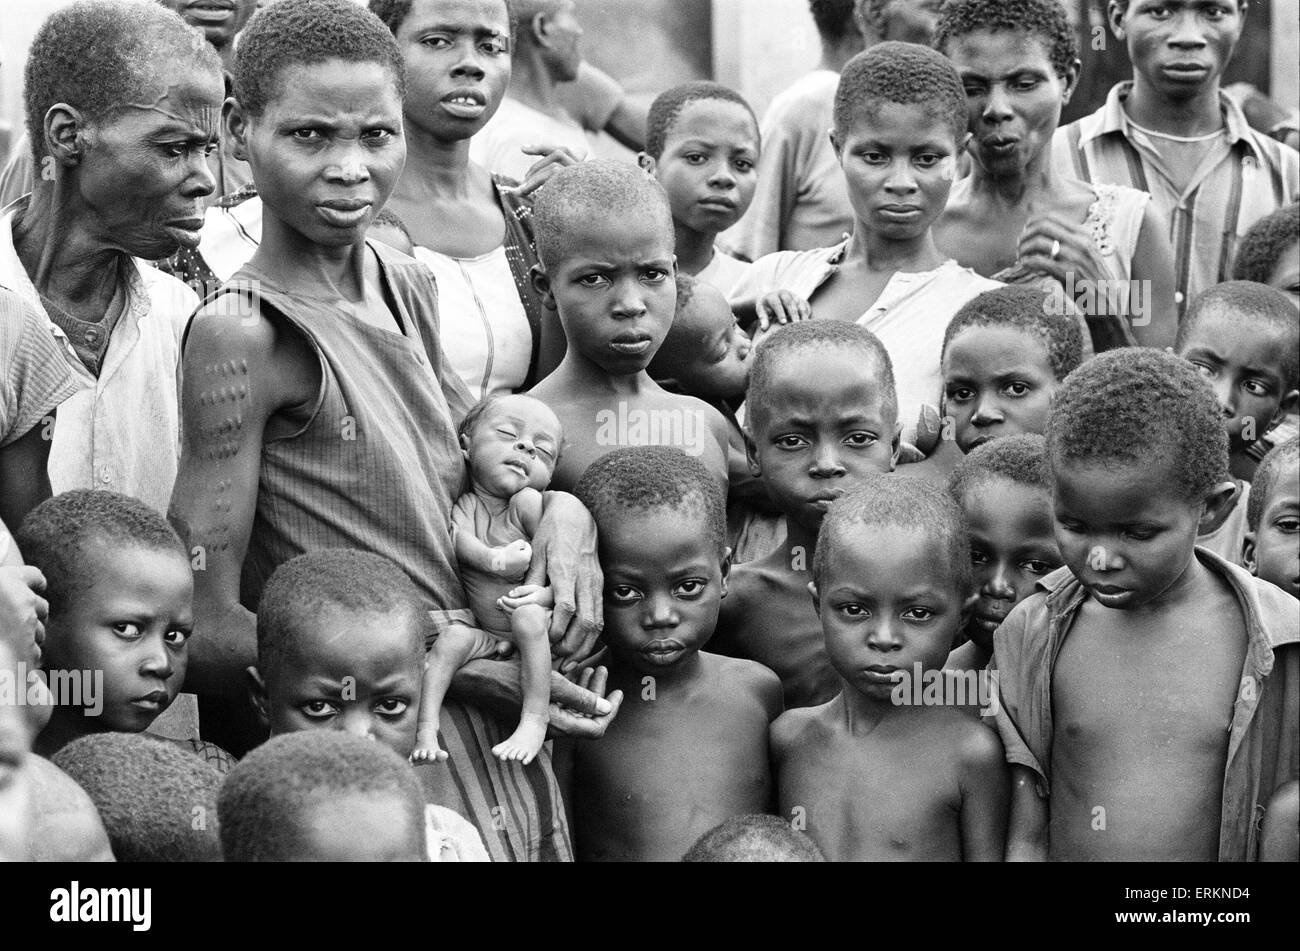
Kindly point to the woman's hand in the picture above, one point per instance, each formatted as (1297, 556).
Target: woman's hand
(23, 611)
(564, 553)
(1058, 248)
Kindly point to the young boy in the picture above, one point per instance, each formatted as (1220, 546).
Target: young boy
(1270, 252)
(1272, 544)
(702, 146)
(321, 797)
(511, 444)
(120, 589)
(1151, 683)
(1004, 492)
(605, 240)
(158, 802)
(1003, 356)
(754, 838)
(821, 418)
(899, 127)
(1172, 132)
(689, 748)
(876, 776)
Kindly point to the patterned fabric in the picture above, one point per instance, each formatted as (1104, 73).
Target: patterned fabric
(36, 378)
(1249, 176)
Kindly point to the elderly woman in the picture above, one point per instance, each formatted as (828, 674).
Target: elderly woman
(122, 106)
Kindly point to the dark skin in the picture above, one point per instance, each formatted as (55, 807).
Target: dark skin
(24, 477)
(334, 134)
(690, 747)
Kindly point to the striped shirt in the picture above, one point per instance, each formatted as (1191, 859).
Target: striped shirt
(34, 378)
(1245, 177)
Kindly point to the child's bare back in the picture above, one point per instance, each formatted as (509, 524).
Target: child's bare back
(684, 755)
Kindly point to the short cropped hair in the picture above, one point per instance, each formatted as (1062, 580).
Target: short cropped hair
(395, 12)
(54, 536)
(1025, 309)
(307, 32)
(1253, 307)
(158, 800)
(668, 106)
(833, 19)
(611, 190)
(1020, 459)
(100, 55)
(754, 838)
(1045, 19)
(1135, 404)
(809, 335)
(268, 791)
(646, 478)
(898, 501)
(904, 73)
(1268, 472)
(303, 588)
(1262, 246)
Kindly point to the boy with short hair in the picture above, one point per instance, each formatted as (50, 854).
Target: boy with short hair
(1270, 252)
(754, 838)
(1171, 131)
(899, 127)
(1139, 458)
(821, 418)
(1003, 355)
(341, 640)
(877, 777)
(1004, 491)
(321, 797)
(702, 146)
(1270, 550)
(605, 240)
(689, 748)
(1244, 338)
(120, 593)
(158, 802)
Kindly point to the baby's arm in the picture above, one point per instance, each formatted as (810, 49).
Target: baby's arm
(986, 796)
(528, 504)
(508, 561)
(1027, 838)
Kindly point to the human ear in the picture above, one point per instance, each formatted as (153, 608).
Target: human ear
(542, 284)
(65, 134)
(896, 446)
(647, 163)
(1071, 79)
(1215, 501)
(726, 570)
(751, 454)
(1289, 404)
(235, 121)
(258, 695)
(1115, 17)
(1248, 552)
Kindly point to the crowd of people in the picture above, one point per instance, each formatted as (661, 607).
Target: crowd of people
(899, 476)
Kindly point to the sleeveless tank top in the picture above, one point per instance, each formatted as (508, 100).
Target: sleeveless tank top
(378, 466)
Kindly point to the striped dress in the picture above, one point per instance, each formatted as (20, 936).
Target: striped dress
(378, 468)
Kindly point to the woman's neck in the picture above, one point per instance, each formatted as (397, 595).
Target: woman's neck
(434, 167)
(63, 256)
(304, 267)
(1018, 190)
(884, 254)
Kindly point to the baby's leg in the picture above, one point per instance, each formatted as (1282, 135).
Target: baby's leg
(528, 625)
(449, 653)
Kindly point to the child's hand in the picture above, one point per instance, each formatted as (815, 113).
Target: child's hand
(512, 561)
(781, 307)
(526, 594)
(553, 159)
(23, 610)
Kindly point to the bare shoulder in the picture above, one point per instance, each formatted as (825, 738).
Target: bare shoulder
(250, 346)
(802, 726)
(747, 677)
(976, 744)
